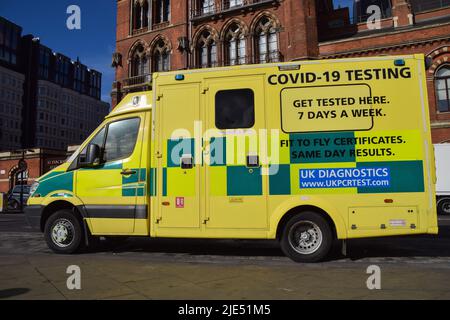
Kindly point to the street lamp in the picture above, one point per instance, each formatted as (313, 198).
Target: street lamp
(23, 167)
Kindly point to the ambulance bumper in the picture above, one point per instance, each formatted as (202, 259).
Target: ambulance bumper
(33, 215)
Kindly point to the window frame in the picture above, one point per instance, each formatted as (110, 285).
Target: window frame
(253, 122)
(446, 80)
(161, 56)
(135, 143)
(235, 42)
(76, 163)
(140, 62)
(265, 31)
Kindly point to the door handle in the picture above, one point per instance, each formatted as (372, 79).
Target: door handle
(187, 162)
(127, 172)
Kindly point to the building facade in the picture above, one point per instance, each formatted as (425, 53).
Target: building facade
(11, 92)
(39, 161)
(47, 100)
(11, 86)
(162, 35)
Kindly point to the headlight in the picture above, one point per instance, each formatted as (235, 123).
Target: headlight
(33, 188)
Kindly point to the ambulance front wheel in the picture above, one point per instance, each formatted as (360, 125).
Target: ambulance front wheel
(63, 232)
(306, 237)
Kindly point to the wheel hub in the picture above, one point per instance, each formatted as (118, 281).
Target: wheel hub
(305, 237)
(446, 207)
(62, 233)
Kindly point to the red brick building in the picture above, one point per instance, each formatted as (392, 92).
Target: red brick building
(39, 162)
(161, 35)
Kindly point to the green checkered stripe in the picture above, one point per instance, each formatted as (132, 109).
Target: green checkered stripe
(232, 180)
(406, 176)
(239, 180)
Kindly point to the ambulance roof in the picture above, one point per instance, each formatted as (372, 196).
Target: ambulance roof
(136, 101)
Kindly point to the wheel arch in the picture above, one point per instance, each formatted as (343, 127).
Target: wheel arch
(290, 209)
(55, 206)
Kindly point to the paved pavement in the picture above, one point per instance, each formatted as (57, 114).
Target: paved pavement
(411, 268)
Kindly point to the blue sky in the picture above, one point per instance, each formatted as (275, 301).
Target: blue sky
(343, 3)
(93, 44)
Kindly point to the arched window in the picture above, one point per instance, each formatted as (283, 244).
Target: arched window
(161, 57)
(139, 62)
(266, 41)
(442, 83)
(235, 52)
(207, 50)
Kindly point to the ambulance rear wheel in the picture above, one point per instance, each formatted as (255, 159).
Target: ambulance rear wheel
(443, 206)
(63, 232)
(306, 237)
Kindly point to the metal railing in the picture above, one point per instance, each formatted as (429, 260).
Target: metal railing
(145, 79)
(269, 57)
(139, 31)
(207, 8)
(157, 26)
(237, 61)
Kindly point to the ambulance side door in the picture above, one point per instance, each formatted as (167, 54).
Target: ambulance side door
(178, 169)
(110, 189)
(236, 189)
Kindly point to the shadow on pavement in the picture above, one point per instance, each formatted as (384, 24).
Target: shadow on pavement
(432, 246)
(357, 249)
(194, 247)
(9, 293)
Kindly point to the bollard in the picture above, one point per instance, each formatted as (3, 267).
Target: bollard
(2, 202)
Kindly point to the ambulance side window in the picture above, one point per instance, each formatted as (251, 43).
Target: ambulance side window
(235, 109)
(121, 139)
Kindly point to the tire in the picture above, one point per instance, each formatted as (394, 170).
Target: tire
(13, 205)
(317, 241)
(63, 232)
(443, 206)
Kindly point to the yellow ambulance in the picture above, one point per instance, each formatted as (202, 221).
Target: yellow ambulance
(304, 152)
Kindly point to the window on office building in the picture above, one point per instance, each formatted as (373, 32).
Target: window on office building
(44, 63)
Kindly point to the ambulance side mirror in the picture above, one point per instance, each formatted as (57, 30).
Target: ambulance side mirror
(93, 155)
